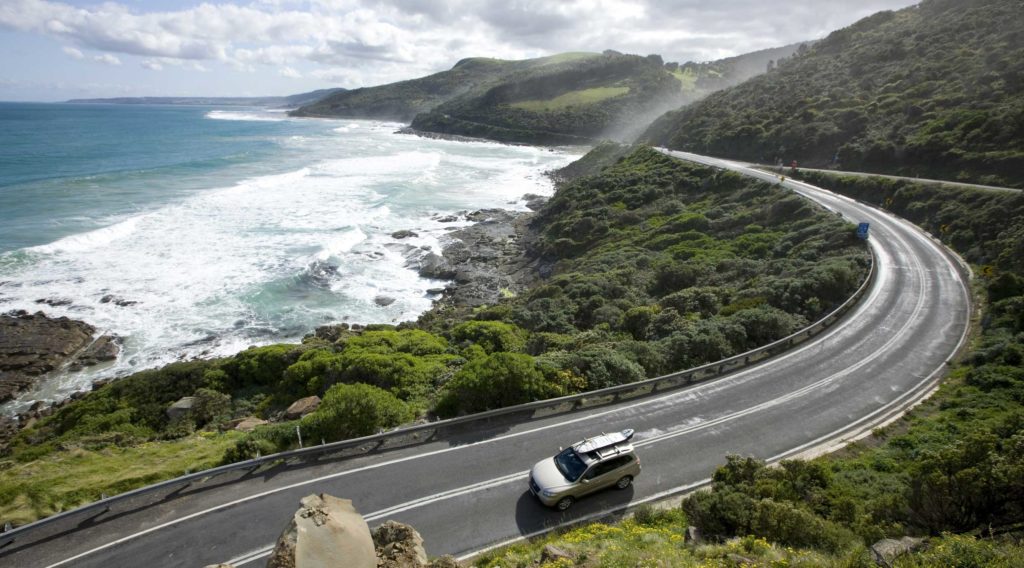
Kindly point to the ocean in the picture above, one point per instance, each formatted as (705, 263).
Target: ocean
(198, 231)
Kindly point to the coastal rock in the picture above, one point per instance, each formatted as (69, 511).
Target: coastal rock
(54, 302)
(435, 266)
(325, 532)
(552, 553)
(399, 546)
(448, 219)
(534, 202)
(32, 345)
(403, 234)
(105, 348)
(181, 407)
(383, 301)
(247, 424)
(117, 301)
(886, 551)
(302, 407)
(331, 333)
(486, 260)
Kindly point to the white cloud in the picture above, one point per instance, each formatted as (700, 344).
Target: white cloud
(107, 58)
(373, 41)
(290, 73)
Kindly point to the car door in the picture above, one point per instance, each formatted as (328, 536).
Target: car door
(603, 474)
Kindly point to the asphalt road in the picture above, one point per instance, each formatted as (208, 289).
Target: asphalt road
(467, 494)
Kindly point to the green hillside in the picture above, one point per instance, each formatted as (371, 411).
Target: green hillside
(932, 90)
(403, 100)
(569, 98)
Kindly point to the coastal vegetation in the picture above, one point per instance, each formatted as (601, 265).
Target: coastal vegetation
(649, 265)
(934, 90)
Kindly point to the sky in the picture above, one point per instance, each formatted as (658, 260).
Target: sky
(52, 51)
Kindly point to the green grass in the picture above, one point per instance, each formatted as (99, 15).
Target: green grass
(567, 56)
(65, 480)
(572, 98)
(655, 540)
(687, 78)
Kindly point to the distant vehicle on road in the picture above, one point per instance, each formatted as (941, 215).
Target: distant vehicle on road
(587, 466)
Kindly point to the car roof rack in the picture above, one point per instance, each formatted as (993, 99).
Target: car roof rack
(598, 443)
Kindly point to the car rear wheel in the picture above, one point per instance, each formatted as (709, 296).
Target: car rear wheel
(564, 503)
(624, 482)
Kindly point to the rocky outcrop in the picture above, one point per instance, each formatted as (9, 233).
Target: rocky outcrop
(485, 260)
(32, 345)
(325, 532)
(247, 424)
(886, 551)
(401, 546)
(328, 532)
(302, 407)
(180, 407)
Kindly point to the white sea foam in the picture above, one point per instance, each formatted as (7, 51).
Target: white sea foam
(270, 257)
(92, 240)
(265, 116)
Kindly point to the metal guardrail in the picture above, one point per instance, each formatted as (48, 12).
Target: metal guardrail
(433, 431)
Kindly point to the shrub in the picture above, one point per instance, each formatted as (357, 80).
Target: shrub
(350, 411)
(498, 380)
(492, 336)
(210, 407)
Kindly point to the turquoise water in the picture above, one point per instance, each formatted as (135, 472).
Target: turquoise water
(200, 231)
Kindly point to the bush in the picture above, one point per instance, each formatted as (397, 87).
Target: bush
(492, 336)
(497, 381)
(210, 407)
(351, 411)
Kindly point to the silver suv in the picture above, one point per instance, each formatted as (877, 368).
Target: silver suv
(586, 466)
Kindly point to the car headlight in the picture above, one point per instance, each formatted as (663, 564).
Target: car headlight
(548, 493)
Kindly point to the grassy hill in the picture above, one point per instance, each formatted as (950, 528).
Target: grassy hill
(933, 90)
(563, 99)
(403, 100)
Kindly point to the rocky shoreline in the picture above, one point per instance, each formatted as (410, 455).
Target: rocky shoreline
(485, 261)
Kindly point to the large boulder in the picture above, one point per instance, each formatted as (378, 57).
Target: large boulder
(302, 407)
(401, 546)
(886, 551)
(325, 532)
(181, 407)
(247, 424)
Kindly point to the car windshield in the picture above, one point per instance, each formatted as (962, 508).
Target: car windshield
(570, 464)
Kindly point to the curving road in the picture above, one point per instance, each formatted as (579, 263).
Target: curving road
(470, 493)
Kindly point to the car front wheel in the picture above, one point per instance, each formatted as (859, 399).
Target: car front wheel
(624, 482)
(564, 503)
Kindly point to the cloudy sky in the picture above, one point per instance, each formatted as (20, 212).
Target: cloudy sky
(52, 50)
